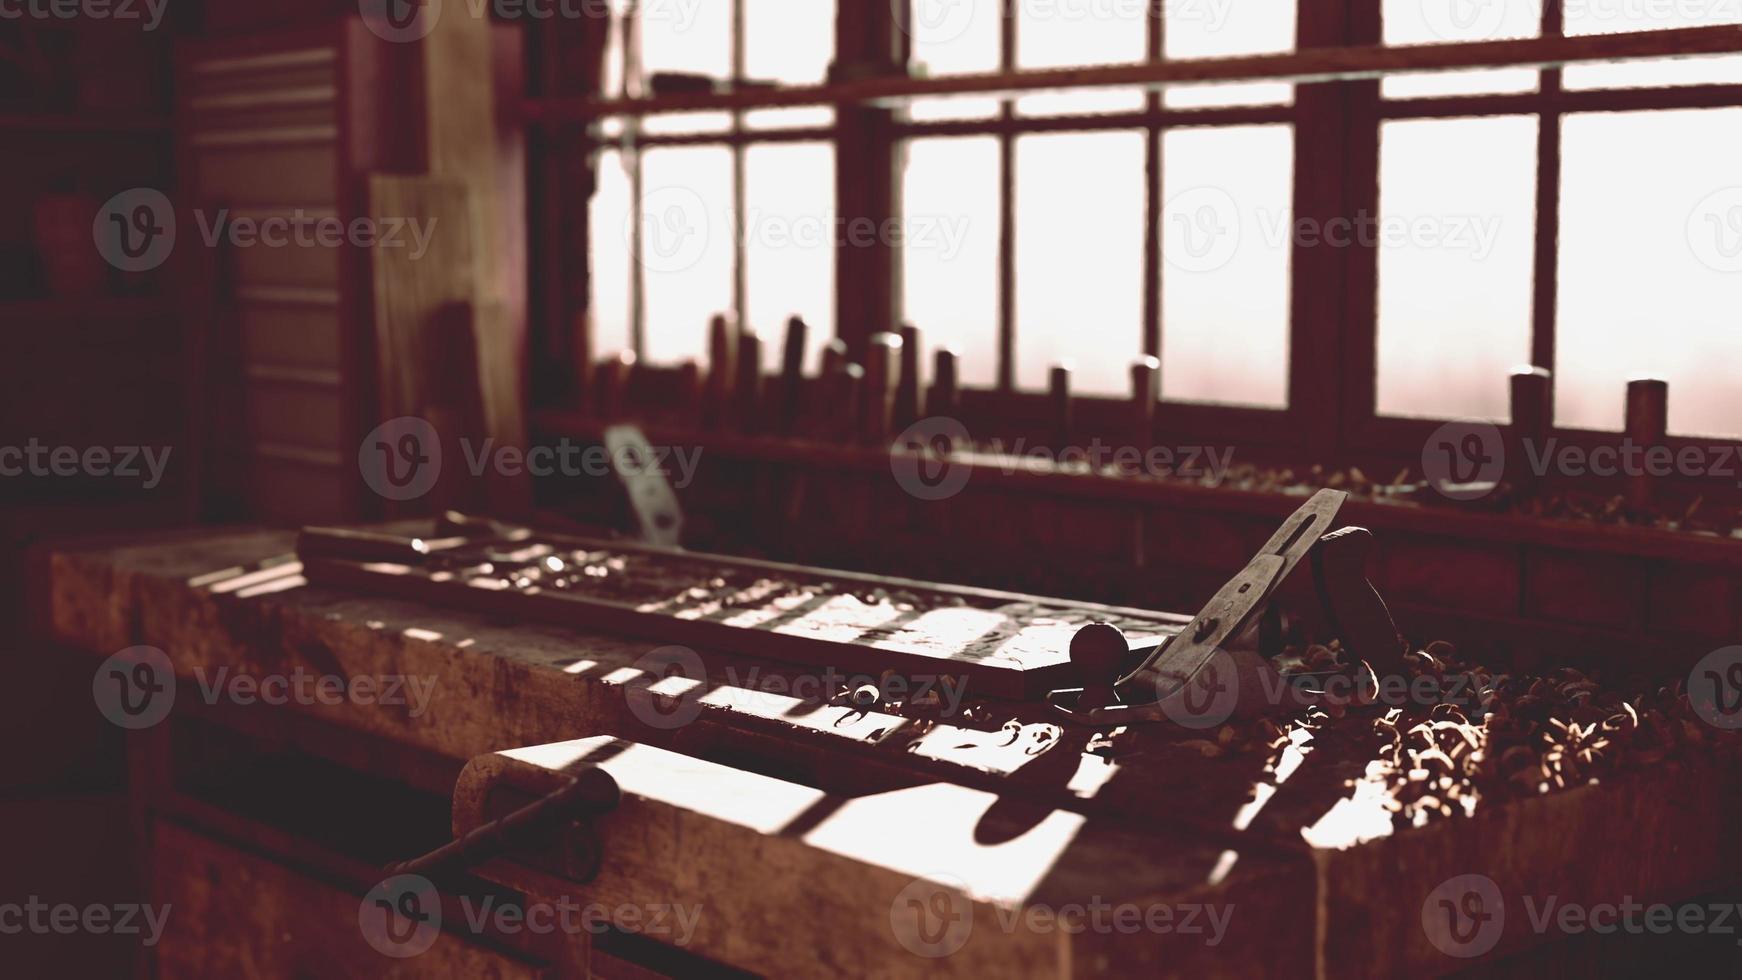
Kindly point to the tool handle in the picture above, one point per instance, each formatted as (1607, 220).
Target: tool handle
(792, 374)
(592, 791)
(1358, 614)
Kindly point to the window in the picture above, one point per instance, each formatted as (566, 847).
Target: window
(1346, 262)
(1095, 187)
(1599, 219)
(1227, 243)
(950, 188)
(1652, 269)
(699, 213)
(1456, 236)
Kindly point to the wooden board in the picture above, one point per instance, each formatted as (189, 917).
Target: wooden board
(233, 600)
(930, 879)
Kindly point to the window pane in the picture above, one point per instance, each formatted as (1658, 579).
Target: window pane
(788, 41)
(801, 117)
(789, 243)
(1456, 238)
(1058, 35)
(950, 191)
(1225, 286)
(675, 123)
(1440, 21)
(694, 38)
(1079, 258)
(609, 234)
(955, 37)
(1207, 30)
(612, 83)
(686, 247)
(1591, 17)
(1650, 266)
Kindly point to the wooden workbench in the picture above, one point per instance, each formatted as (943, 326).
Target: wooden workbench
(801, 829)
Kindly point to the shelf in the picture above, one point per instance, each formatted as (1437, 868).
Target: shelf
(1310, 65)
(1014, 474)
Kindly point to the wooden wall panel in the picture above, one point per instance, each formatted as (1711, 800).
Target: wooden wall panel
(289, 336)
(1479, 578)
(1584, 589)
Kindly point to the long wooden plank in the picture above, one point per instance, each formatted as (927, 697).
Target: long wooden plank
(932, 879)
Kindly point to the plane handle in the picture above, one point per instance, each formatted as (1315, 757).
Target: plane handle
(1357, 612)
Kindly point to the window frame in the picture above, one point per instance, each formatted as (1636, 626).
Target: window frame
(1331, 416)
(1551, 103)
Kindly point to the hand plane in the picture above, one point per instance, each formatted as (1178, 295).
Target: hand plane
(1220, 666)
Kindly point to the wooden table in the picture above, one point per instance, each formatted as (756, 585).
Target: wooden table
(814, 840)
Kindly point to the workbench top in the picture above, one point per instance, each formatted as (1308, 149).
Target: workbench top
(998, 803)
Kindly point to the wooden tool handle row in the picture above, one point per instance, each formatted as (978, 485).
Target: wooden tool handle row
(869, 401)
(1532, 392)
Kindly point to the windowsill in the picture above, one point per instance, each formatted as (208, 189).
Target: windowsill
(1377, 512)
